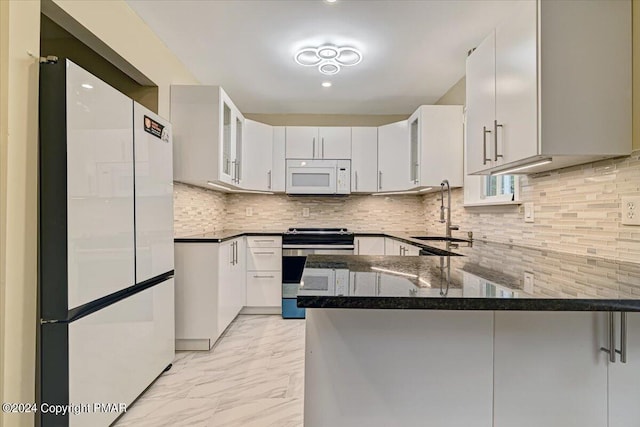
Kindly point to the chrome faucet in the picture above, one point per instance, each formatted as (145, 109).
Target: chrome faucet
(448, 208)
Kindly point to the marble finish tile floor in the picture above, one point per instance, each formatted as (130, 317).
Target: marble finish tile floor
(253, 377)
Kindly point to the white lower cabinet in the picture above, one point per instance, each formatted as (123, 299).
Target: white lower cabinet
(264, 289)
(624, 378)
(231, 282)
(264, 274)
(369, 245)
(549, 371)
(399, 248)
(210, 290)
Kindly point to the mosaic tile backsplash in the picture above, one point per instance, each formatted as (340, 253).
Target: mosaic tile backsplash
(357, 213)
(196, 210)
(577, 210)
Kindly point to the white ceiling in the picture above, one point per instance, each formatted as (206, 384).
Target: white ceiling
(414, 51)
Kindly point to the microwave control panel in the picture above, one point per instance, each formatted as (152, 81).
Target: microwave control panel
(343, 177)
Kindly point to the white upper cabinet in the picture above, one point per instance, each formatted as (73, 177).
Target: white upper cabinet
(278, 173)
(306, 142)
(335, 143)
(516, 97)
(481, 104)
(542, 86)
(364, 159)
(301, 142)
(393, 157)
(258, 152)
(208, 135)
(436, 146)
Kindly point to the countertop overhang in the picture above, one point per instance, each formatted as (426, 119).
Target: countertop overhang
(489, 276)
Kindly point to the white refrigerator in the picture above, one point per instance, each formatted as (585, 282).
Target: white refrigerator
(106, 291)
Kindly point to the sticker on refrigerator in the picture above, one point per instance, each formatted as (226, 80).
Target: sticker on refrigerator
(155, 129)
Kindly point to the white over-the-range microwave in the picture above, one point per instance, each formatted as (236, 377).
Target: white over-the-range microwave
(309, 177)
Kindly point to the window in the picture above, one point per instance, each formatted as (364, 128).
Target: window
(499, 187)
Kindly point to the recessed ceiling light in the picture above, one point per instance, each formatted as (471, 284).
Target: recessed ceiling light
(328, 58)
(87, 86)
(326, 84)
(331, 1)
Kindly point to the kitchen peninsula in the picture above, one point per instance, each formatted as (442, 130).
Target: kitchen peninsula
(491, 335)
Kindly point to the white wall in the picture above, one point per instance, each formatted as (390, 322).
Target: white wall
(20, 31)
(117, 26)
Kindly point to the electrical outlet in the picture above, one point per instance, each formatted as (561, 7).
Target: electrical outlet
(528, 282)
(631, 211)
(248, 211)
(528, 212)
(305, 212)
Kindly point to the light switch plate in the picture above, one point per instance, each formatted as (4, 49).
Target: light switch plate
(631, 211)
(305, 212)
(528, 212)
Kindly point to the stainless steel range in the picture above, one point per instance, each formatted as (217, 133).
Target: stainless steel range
(297, 243)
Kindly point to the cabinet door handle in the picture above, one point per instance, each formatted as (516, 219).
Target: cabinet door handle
(358, 248)
(314, 147)
(611, 351)
(264, 253)
(236, 253)
(231, 254)
(263, 277)
(485, 131)
(269, 180)
(265, 240)
(379, 180)
(356, 180)
(323, 148)
(495, 139)
(623, 338)
(233, 172)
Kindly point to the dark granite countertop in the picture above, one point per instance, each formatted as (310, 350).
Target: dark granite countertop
(223, 235)
(489, 276)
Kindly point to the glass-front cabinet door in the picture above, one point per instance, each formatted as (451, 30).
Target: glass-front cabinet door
(415, 140)
(238, 150)
(226, 139)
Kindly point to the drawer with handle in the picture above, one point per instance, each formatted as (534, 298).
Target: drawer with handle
(264, 289)
(264, 259)
(264, 241)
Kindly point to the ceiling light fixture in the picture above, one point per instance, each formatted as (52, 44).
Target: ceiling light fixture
(86, 86)
(331, 1)
(328, 58)
(326, 84)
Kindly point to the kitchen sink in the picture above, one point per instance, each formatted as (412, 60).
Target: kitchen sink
(440, 239)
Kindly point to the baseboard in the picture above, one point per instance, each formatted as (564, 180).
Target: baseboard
(261, 310)
(193, 345)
